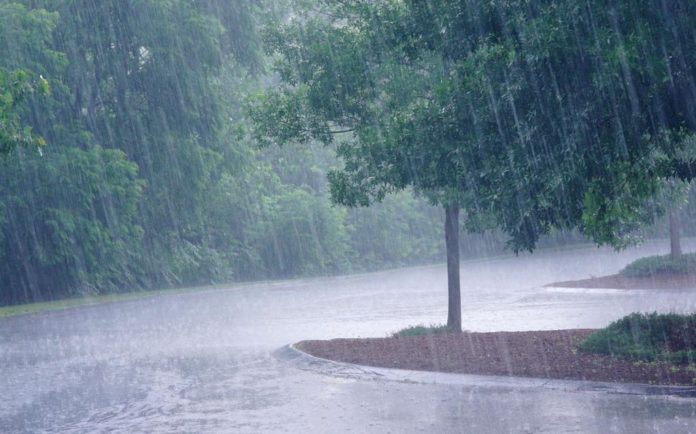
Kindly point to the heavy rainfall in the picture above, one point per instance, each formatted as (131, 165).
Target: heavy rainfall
(347, 216)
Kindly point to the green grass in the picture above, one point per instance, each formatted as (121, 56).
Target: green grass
(665, 264)
(647, 337)
(49, 306)
(421, 330)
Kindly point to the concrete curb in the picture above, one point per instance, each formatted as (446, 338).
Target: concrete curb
(305, 361)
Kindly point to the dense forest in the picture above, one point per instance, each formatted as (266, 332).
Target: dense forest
(130, 160)
(130, 165)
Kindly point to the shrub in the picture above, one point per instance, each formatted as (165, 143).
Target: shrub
(665, 264)
(421, 330)
(647, 337)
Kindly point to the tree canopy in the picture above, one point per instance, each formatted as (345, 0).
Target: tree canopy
(534, 114)
(530, 115)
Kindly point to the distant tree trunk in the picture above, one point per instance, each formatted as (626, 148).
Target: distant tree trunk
(674, 241)
(454, 306)
(30, 284)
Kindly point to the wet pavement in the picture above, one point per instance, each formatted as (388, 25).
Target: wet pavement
(202, 361)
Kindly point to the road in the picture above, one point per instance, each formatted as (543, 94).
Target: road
(202, 361)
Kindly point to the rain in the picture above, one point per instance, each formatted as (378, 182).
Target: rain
(254, 216)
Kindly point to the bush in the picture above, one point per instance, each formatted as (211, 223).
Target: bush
(421, 330)
(653, 265)
(647, 337)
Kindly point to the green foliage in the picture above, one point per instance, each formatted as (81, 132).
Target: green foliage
(301, 234)
(132, 76)
(138, 77)
(532, 116)
(148, 176)
(639, 198)
(68, 223)
(26, 38)
(22, 30)
(15, 86)
(421, 330)
(647, 337)
(401, 230)
(665, 264)
(618, 221)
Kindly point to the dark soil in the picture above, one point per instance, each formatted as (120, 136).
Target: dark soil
(541, 354)
(617, 281)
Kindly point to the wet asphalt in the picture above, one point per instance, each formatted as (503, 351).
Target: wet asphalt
(203, 361)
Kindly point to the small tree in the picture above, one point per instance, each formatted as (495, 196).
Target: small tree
(340, 80)
(528, 115)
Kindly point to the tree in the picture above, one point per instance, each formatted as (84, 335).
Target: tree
(15, 86)
(143, 77)
(335, 85)
(529, 115)
(21, 30)
(134, 103)
(148, 178)
(581, 109)
(68, 224)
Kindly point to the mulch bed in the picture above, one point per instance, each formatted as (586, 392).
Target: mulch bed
(540, 354)
(617, 281)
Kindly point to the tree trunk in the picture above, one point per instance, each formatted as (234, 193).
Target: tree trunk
(674, 242)
(454, 306)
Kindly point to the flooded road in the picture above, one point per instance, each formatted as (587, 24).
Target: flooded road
(201, 361)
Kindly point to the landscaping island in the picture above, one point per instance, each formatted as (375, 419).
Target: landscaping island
(619, 281)
(541, 354)
(653, 348)
(653, 272)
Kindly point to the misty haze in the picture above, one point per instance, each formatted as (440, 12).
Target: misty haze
(254, 216)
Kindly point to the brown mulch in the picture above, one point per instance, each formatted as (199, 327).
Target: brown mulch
(617, 281)
(541, 354)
